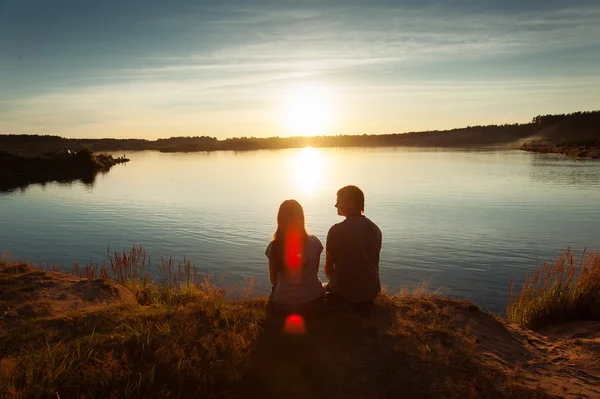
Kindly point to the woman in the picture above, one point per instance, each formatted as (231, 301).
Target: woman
(294, 258)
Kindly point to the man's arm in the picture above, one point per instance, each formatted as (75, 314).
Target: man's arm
(329, 265)
(273, 272)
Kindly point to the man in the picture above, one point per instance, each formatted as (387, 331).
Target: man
(352, 252)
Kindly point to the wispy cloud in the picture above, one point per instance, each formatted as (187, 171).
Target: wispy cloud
(236, 63)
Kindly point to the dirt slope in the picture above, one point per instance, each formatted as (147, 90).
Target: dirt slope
(26, 293)
(410, 346)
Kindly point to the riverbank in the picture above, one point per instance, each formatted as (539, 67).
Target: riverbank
(575, 135)
(114, 332)
(17, 171)
(575, 150)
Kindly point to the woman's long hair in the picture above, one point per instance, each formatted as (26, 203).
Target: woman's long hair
(290, 236)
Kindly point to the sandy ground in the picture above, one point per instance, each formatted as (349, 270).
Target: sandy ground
(50, 294)
(563, 361)
(560, 361)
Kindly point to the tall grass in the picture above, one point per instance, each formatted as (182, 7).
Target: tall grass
(175, 284)
(187, 341)
(560, 291)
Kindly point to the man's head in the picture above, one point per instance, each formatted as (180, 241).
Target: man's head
(350, 201)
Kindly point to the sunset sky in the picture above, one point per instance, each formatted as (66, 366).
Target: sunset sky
(152, 69)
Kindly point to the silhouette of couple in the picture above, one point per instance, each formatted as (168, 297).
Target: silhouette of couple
(351, 265)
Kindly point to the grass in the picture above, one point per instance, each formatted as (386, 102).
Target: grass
(177, 285)
(179, 335)
(565, 290)
(159, 348)
(182, 337)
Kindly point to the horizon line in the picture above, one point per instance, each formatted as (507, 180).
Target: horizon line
(299, 136)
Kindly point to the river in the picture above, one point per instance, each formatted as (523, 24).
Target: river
(462, 222)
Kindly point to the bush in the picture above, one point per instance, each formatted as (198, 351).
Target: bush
(85, 154)
(561, 291)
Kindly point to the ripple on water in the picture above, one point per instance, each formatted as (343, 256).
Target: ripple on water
(464, 221)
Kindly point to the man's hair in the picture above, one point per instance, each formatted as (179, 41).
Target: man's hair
(354, 196)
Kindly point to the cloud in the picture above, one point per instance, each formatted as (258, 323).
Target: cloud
(234, 61)
(351, 38)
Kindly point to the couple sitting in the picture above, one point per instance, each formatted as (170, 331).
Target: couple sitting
(351, 262)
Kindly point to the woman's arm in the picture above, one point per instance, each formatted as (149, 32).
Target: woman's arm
(318, 264)
(273, 272)
(329, 265)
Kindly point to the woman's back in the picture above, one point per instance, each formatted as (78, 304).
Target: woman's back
(301, 285)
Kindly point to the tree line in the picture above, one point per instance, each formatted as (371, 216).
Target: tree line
(577, 127)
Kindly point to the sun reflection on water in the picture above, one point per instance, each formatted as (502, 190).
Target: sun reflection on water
(307, 168)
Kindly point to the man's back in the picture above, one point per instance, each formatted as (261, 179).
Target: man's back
(355, 244)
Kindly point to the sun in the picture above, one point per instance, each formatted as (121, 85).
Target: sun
(307, 111)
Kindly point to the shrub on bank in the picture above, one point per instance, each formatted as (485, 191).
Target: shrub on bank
(564, 290)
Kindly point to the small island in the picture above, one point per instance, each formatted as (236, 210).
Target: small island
(61, 165)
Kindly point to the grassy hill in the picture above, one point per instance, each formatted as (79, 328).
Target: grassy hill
(113, 332)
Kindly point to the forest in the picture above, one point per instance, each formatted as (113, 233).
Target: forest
(566, 130)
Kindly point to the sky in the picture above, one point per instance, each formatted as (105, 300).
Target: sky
(150, 68)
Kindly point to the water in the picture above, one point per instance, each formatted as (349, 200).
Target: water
(462, 221)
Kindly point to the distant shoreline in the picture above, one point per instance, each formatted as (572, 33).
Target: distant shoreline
(580, 152)
(476, 136)
(571, 134)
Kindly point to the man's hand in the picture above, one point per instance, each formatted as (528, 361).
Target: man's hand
(329, 265)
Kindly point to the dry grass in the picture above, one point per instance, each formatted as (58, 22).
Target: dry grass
(564, 290)
(177, 284)
(184, 339)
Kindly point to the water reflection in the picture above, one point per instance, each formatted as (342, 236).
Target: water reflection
(21, 182)
(558, 170)
(468, 221)
(306, 169)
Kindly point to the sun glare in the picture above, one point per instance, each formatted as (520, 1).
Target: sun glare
(307, 111)
(307, 169)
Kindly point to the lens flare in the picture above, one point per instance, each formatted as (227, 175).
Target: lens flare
(293, 250)
(294, 324)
